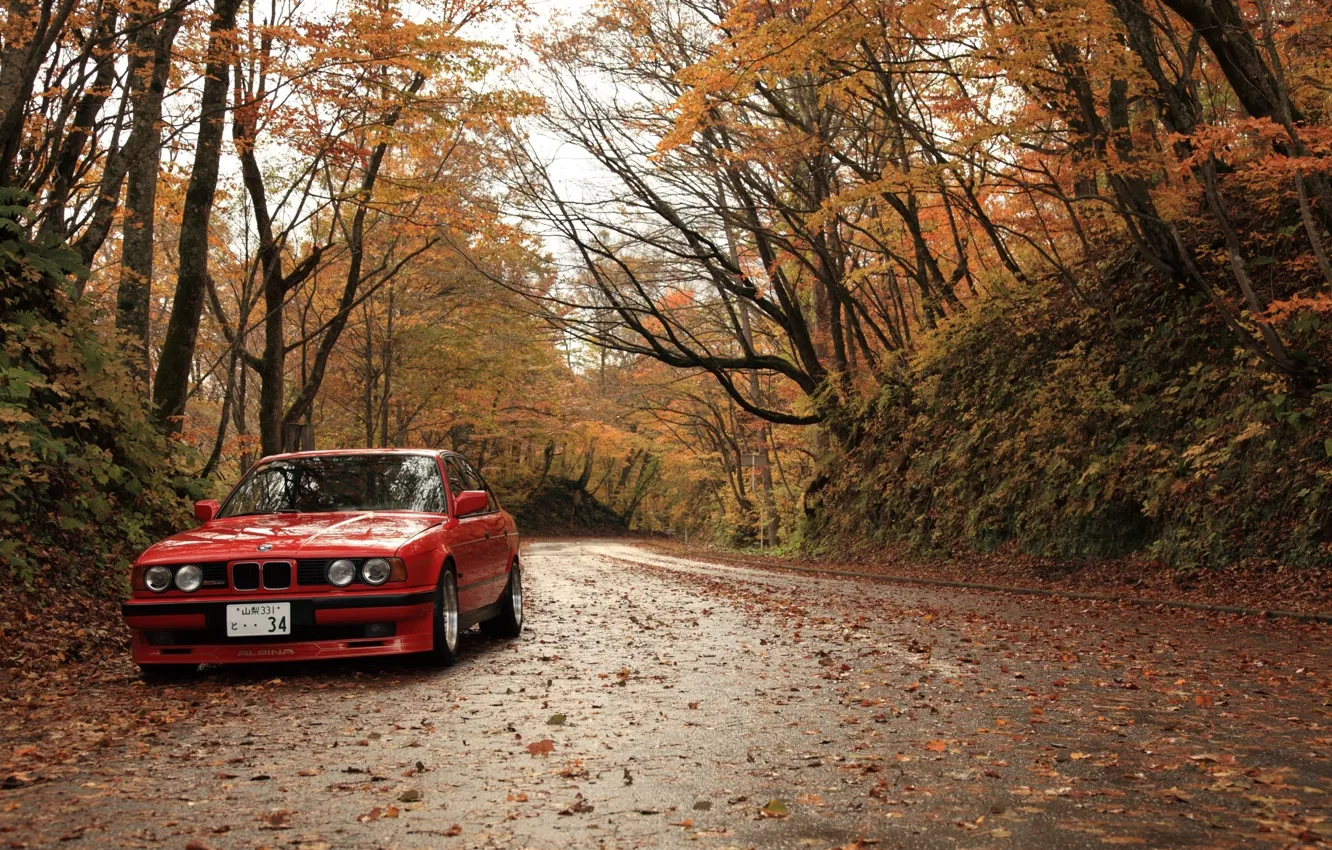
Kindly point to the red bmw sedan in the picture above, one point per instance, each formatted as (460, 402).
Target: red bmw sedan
(334, 554)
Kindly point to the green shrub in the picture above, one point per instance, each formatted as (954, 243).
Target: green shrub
(83, 473)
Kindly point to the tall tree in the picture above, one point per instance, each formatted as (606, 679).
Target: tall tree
(149, 67)
(172, 382)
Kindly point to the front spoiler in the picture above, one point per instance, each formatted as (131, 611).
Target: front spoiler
(269, 652)
(411, 612)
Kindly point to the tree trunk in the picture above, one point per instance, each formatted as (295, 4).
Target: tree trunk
(85, 115)
(1221, 25)
(387, 367)
(769, 530)
(20, 63)
(172, 384)
(149, 68)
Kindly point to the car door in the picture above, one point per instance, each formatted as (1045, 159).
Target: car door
(496, 543)
(469, 544)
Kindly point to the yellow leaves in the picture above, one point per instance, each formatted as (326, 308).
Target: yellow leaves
(1252, 430)
(1319, 303)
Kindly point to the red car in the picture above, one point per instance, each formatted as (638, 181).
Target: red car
(333, 554)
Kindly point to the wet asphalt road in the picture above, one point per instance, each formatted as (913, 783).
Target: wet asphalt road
(659, 702)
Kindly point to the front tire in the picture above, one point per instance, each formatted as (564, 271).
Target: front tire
(509, 622)
(446, 620)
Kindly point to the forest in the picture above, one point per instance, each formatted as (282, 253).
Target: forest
(946, 276)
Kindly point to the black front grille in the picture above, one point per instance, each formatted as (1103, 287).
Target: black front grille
(245, 576)
(277, 575)
(214, 575)
(312, 570)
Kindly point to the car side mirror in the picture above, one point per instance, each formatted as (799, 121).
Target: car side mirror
(205, 510)
(470, 502)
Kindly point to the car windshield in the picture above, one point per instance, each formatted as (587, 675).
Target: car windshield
(340, 483)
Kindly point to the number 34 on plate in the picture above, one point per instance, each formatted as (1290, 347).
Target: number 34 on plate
(259, 620)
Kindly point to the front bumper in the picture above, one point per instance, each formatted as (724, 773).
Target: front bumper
(193, 631)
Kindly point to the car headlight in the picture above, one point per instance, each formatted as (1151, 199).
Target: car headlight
(157, 579)
(376, 571)
(188, 578)
(340, 573)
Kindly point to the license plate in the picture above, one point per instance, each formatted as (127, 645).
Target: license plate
(259, 619)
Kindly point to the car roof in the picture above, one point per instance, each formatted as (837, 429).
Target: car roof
(343, 452)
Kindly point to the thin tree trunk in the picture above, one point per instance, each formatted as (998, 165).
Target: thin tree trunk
(356, 258)
(387, 366)
(149, 68)
(769, 530)
(171, 385)
(20, 63)
(90, 106)
(1238, 264)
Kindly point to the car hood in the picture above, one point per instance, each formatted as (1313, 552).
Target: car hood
(348, 534)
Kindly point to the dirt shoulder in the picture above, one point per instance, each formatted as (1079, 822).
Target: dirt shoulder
(67, 686)
(1264, 588)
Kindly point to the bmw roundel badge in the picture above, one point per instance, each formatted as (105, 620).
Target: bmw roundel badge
(264, 547)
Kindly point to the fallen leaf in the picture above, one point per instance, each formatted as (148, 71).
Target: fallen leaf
(578, 807)
(276, 819)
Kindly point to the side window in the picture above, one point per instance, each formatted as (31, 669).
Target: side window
(476, 482)
(456, 482)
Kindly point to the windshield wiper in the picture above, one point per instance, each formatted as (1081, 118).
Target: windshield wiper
(268, 513)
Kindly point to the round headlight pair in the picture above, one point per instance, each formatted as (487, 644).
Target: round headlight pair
(158, 579)
(342, 572)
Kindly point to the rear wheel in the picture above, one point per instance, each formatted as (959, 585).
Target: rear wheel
(509, 622)
(157, 673)
(445, 649)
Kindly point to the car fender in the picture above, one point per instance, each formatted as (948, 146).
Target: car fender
(425, 555)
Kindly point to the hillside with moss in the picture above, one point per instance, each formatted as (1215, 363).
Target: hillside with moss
(1144, 430)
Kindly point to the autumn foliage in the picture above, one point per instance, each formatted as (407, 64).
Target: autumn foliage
(1045, 274)
(1032, 273)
